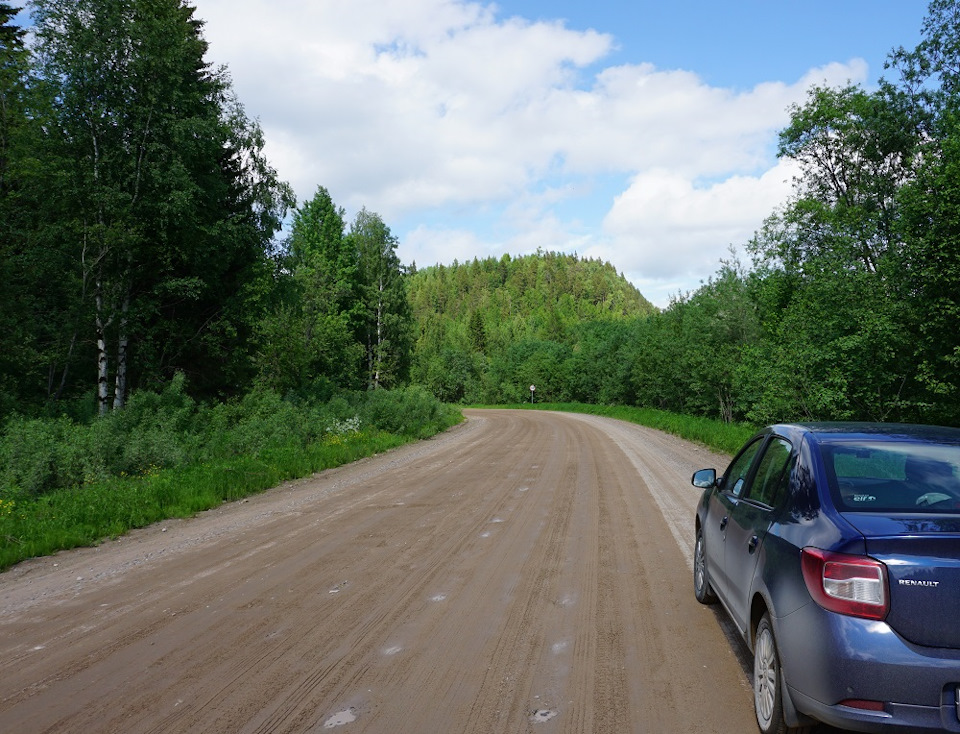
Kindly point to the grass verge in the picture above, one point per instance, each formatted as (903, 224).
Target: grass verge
(86, 515)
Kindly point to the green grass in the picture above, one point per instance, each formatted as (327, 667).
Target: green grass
(726, 438)
(84, 516)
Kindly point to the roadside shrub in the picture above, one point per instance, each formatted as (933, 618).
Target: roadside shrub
(29, 454)
(89, 453)
(411, 411)
(169, 430)
(258, 420)
(156, 430)
(261, 420)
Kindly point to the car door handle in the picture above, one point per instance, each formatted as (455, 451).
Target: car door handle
(752, 544)
(723, 522)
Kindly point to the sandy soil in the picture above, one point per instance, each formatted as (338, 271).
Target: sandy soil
(524, 572)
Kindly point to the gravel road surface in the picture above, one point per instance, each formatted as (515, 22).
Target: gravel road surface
(523, 572)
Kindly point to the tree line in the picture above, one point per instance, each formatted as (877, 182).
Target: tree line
(140, 227)
(848, 308)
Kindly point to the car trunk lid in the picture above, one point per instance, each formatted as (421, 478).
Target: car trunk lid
(922, 556)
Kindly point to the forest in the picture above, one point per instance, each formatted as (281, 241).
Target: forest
(145, 238)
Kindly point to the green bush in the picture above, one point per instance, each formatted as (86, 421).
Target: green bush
(29, 454)
(411, 411)
(167, 430)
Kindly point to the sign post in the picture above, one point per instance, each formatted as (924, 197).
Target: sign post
(533, 389)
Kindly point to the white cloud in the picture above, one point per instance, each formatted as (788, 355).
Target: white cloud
(409, 106)
(664, 228)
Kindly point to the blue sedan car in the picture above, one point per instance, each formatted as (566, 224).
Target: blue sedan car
(835, 549)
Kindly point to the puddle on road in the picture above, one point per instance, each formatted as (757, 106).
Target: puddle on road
(340, 719)
(541, 716)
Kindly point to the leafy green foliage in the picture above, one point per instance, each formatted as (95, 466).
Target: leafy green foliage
(18, 341)
(169, 430)
(310, 331)
(928, 276)
(409, 411)
(384, 313)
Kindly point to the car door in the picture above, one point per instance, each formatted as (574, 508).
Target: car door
(750, 518)
(721, 503)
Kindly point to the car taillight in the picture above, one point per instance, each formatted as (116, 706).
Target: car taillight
(857, 703)
(851, 585)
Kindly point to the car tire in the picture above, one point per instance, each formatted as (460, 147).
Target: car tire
(767, 683)
(701, 577)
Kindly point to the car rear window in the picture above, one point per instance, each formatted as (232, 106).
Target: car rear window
(886, 476)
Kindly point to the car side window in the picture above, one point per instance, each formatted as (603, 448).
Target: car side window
(773, 473)
(736, 476)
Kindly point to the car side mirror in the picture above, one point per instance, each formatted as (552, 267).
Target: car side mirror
(704, 479)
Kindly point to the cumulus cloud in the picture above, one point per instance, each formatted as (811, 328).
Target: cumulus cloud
(424, 107)
(665, 225)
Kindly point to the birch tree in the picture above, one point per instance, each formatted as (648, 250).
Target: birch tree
(385, 326)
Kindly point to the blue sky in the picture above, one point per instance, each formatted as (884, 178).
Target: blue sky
(742, 42)
(641, 133)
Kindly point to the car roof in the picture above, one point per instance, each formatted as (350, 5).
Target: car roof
(828, 432)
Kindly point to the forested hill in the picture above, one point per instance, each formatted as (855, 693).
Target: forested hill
(485, 329)
(536, 293)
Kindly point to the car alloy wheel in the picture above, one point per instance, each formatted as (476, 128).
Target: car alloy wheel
(765, 676)
(766, 683)
(701, 580)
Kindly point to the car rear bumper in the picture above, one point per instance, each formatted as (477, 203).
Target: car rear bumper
(830, 658)
(896, 717)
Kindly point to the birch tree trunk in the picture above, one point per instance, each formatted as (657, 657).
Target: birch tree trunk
(378, 351)
(103, 397)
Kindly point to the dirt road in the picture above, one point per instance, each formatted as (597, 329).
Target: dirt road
(525, 572)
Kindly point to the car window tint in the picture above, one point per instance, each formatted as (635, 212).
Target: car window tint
(893, 476)
(736, 475)
(770, 482)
